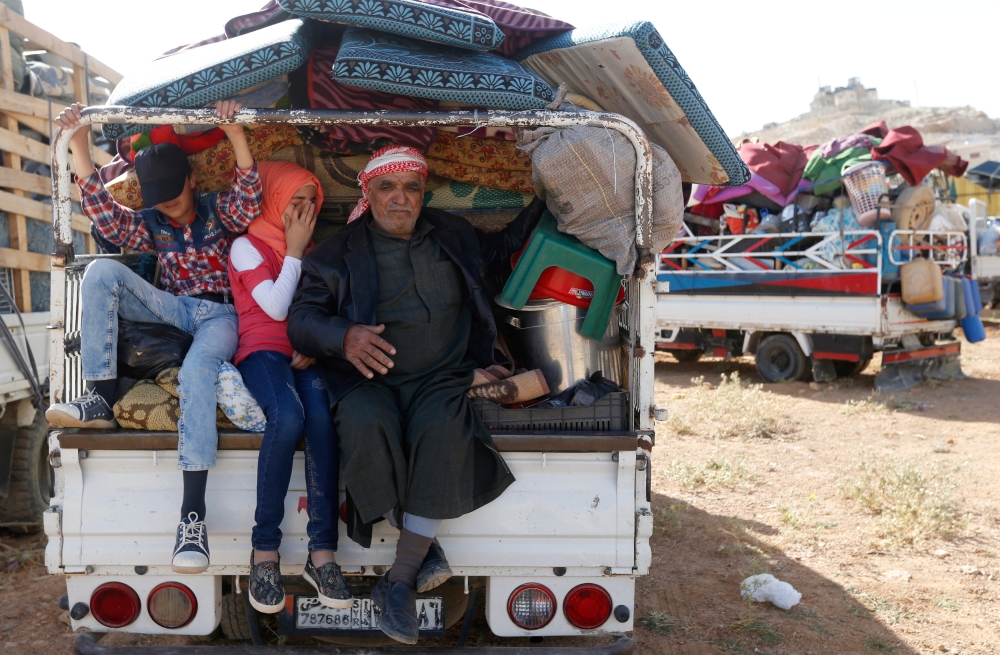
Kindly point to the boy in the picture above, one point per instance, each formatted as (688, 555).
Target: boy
(191, 234)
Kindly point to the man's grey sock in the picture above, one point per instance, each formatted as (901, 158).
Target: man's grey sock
(411, 549)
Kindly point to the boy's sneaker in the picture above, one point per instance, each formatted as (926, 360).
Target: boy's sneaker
(191, 548)
(267, 592)
(88, 411)
(329, 584)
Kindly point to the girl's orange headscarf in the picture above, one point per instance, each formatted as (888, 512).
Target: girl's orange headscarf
(280, 180)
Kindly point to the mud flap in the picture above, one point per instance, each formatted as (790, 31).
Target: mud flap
(902, 370)
(823, 370)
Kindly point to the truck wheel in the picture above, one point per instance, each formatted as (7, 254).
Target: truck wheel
(685, 356)
(30, 479)
(850, 369)
(234, 618)
(779, 359)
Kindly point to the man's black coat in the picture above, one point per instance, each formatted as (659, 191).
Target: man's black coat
(339, 288)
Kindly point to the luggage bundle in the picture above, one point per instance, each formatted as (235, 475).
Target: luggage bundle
(411, 55)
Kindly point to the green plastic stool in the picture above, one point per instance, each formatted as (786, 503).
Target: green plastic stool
(549, 247)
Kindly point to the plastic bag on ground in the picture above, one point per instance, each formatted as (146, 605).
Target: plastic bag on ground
(582, 394)
(586, 176)
(145, 349)
(765, 587)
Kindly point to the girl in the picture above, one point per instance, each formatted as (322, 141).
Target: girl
(264, 269)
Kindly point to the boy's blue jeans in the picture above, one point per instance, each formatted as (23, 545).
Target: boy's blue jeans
(296, 405)
(109, 290)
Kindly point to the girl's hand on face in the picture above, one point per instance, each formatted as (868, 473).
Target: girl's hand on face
(299, 222)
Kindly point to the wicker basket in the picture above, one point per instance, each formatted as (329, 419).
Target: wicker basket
(865, 184)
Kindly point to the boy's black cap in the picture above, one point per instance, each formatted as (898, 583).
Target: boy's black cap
(162, 170)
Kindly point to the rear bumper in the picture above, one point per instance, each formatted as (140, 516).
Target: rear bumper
(87, 644)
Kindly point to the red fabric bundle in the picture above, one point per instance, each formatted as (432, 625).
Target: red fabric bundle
(780, 163)
(904, 149)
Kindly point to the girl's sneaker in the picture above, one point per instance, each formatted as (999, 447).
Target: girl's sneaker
(267, 593)
(329, 584)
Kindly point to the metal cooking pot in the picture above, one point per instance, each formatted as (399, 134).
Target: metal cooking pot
(546, 335)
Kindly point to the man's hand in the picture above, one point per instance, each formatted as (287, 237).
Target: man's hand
(79, 145)
(366, 350)
(299, 225)
(226, 109)
(300, 362)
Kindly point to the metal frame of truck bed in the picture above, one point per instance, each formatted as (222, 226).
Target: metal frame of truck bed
(637, 323)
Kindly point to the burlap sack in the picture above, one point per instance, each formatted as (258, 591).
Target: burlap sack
(586, 175)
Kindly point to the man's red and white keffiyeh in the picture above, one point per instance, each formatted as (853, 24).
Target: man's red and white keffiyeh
(390, 159)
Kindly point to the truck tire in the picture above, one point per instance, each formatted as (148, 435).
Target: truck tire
(30, 479)
(780, 359)
(686, 356)
(850, 369)
(234, 618)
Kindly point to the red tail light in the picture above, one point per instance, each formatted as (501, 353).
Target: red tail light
(531, 606)
(587, 606)
(171, 605)
(115, 605)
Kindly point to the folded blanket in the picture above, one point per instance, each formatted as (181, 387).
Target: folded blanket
(213, 167)
(315, 87)
(148, 406)
(461, 196)
(519, 181)
(491, 154)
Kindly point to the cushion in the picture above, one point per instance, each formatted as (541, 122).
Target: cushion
(395, 64)
(629, 70)
(236, 400)
(148, 406)
(451, 26)
(195, 78)
(461, 196)
(212, 167)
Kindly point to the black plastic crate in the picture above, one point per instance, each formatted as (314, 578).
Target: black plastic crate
(609, 414)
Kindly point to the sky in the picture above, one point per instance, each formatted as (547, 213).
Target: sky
(754, 62)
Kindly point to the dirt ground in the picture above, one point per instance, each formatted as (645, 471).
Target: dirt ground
(880, 509)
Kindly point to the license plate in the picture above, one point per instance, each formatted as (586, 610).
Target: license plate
(311, 614)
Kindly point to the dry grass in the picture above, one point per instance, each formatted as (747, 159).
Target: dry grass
(912, 502)
(733, 409)
(874, 405)
(719, 472)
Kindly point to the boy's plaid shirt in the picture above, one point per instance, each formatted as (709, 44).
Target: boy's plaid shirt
(193, 270)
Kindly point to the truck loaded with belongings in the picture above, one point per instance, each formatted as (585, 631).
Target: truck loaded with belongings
(500, 102)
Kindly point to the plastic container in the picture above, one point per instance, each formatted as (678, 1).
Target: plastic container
(865, 184)
(972, 326)
(609, 414)
(549, 247)
(961, 310)
(921, 282)
(970, 299)
(952, 296)
(559, 284)
(977, 299)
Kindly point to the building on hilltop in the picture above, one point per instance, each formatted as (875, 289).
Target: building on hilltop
(853, 97)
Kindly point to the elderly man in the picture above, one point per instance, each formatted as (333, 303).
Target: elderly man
(396, 310)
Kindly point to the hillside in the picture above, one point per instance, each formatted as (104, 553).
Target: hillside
(938, 125)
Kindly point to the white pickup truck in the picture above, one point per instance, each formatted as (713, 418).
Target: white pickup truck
(813, 305)
(557, 554)
(25, 475)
